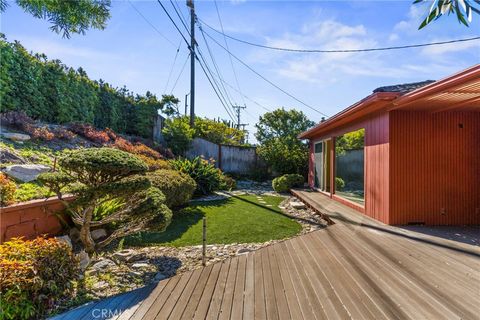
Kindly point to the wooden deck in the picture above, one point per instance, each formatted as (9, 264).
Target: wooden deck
(356, 268)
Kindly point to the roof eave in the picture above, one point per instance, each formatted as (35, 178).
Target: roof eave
(351, 113)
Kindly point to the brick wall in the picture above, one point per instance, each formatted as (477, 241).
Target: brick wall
(30, 219)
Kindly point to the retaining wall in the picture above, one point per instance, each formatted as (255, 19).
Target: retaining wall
(31, 219)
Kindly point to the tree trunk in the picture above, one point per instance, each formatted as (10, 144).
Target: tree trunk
(85, 234)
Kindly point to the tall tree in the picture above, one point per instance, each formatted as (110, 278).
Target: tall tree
(67, 16)
(463, 9)
(277, 133)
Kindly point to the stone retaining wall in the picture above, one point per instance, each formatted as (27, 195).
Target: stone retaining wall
(31, 219)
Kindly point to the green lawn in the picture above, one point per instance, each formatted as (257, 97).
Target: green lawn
(239, 219)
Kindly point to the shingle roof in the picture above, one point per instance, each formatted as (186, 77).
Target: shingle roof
(403, 88)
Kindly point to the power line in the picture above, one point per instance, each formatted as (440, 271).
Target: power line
(180, 17)
(151, 24)
(214, 89)
(264, 78)
(247, 97)
(217, 69)
(343, 50)
(174, 23)
(180, 74)
(173, 65)
(195, 56)
(230, 57)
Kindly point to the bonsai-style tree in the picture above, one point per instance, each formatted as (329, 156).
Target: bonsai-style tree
(110, 191)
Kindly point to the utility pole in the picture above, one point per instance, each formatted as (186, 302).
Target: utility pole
(238, 110)
(192, 62)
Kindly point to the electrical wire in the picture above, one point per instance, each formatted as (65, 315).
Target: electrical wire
(342, 50)
(217, 69)
(196, 57)
(264, 78)
(174, 23)
(180, 74)
(151, 24)
(173, 65)
(214, 89)
(180, 17)
(229, 56)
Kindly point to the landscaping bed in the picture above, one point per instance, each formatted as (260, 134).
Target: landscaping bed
(126, 267)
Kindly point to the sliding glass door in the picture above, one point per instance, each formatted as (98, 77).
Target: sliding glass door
(322, 165)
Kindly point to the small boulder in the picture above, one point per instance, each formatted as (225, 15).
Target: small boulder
(16, 136)
(128, 255)
(7, 156)
(141, 265)
(298, 205)
(243, 251)
(98, 234)
(84, 260)
(66, 239)
(100, 285)
(103, 264)
(26, 172)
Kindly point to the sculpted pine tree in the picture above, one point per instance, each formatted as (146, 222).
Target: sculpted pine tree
(111, 192)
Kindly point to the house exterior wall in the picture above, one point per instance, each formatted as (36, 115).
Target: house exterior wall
(376, 167)
(434, 168)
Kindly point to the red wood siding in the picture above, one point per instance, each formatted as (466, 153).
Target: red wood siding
(435, 168)
(376, 163)
(377, 167)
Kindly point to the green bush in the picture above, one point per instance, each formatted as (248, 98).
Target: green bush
(34, 275)
(227, 183)
(287, 181)
(97, 177)
(178, 135)
(177, 186)
(339, 183)
(207, 177)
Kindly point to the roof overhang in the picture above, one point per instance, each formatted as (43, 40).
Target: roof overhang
(371, 104)
(459, 92)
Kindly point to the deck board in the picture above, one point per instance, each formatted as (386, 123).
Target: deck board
(355, 268)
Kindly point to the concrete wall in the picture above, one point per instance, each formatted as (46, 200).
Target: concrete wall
(231, 159)
(31, 219)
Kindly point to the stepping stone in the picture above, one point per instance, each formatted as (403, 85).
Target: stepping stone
(298, 205)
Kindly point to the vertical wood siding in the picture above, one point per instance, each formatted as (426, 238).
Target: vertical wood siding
(377, 167)
(376, 164)
(435, 168)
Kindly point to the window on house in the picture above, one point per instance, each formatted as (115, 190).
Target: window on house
(349, 166)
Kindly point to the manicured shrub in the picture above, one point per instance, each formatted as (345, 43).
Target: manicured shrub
(34, 275)
(177, 186)
(7, 190)
(207, 177)
(227, 183)
(101, 175)
(154, 164)
(339, 183)
(286, 182)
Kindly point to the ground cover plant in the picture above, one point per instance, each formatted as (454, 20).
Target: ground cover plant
(242, 219)
(111, 192)
(34, 275)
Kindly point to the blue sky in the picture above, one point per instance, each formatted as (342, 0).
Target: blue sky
(130, 52)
